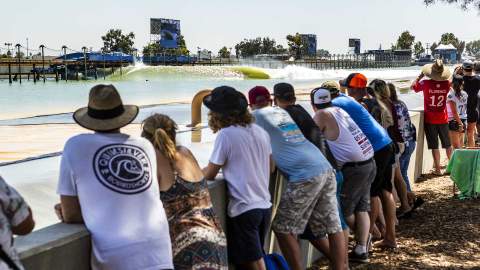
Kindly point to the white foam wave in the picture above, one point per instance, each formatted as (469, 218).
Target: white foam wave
(293, 72)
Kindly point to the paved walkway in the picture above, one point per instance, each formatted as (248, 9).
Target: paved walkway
(443, 234)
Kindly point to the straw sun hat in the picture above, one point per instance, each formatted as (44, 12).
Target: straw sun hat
(105, 110)
(437, 71)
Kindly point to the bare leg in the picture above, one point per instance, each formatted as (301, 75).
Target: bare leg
(401, 188)
(449, 152)
(362, 227)
(337, 250)
(471, 134)
(374, 211)
(321, 244)
(290, 249)
(390, 219)
(255, 265)
(436, 160)
(455, 139)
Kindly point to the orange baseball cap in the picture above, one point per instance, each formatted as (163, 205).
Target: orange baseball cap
(354, 80)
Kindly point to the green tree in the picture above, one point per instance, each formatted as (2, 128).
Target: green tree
(450, 38)
(473, 48)
(323, 53)
(405, 41)
(252, 47)
(224, 52)
(295, 45)
(114, 41)
(433, 47)
(151, 49)
(464, 4)
(418, 49)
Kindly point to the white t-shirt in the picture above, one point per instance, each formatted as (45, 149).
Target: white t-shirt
(114, 177)
(244, 154)
(461, 103)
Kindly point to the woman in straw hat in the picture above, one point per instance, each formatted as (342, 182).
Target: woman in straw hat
(435, 88)
(108, 180)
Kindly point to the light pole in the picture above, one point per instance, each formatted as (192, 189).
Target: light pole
(42, 47)
(27, 49)
(84, 62)
(8, 48)
(64, 48)
(19, 67)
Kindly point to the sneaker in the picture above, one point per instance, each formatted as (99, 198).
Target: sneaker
(359, 258)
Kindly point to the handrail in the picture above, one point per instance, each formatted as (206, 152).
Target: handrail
(197, 107)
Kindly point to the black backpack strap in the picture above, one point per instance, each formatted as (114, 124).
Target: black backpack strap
(5, 258)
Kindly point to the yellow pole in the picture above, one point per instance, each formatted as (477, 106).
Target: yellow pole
(197, 107)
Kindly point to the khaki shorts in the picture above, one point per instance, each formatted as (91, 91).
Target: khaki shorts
(312, 201)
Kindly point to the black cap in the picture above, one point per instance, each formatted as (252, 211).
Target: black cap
(284, 91)
(226, 100)
(467, 65)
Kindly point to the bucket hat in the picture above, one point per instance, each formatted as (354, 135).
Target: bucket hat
(226, 100)
(436, 71)
(105, 110)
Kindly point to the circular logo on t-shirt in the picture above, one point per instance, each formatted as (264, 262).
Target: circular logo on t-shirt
(123, 168)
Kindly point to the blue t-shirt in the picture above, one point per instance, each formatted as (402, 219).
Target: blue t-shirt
(377, 135)
(294, 155)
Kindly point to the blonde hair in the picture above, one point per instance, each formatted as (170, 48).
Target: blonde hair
(161, 131)
(382, 94)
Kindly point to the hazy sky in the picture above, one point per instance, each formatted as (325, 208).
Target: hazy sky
(212, 24)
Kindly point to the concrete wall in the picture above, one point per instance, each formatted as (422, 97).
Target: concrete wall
(67, 247)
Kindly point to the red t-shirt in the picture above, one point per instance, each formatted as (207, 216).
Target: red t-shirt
(435, 100)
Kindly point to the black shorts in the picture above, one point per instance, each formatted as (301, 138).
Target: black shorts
(433, 132)
(384, 159)
(454, 126)
(472, 114)
(246, 235)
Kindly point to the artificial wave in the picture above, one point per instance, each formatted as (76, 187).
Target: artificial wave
(289, 72)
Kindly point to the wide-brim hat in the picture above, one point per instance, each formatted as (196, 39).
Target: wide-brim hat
(226, 100)
(437, 71)
(105, 110)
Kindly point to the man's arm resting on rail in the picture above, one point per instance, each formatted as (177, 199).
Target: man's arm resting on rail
(211, 171)
(69, 210)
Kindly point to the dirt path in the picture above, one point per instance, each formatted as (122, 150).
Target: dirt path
(443, 234)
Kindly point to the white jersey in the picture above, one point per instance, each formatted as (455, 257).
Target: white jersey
(114, 177)
(460, 102)
(351, 144)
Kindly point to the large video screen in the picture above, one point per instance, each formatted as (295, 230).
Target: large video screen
(311, 44)
(169, 31)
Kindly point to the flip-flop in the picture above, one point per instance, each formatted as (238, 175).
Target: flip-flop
(385, 246)
(418, 202)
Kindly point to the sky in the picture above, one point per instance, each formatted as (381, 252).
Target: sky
(212, 24)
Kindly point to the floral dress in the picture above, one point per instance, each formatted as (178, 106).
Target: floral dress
(198, 241)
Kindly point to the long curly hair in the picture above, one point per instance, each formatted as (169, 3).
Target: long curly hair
(217, 121)
(161, 131)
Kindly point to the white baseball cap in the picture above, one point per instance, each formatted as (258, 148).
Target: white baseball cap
(321, 96)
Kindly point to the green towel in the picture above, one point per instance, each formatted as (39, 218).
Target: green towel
(464, 169)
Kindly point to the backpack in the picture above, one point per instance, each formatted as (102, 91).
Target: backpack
(275, 261)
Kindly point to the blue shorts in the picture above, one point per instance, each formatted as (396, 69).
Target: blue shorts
(246, 235)
(308, 234)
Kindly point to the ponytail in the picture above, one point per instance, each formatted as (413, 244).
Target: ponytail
(165, 145)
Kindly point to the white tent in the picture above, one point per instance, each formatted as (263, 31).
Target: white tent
(445, 47)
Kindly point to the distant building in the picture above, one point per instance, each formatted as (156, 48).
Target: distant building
(446, 52)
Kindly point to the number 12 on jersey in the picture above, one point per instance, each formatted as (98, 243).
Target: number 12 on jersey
(437, 101)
